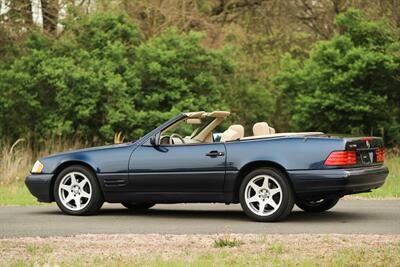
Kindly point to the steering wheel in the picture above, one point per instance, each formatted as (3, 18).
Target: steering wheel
(171, 138)
(164, 140)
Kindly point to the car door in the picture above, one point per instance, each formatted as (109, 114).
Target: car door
(190, 168)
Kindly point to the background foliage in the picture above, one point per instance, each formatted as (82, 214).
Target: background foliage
(349, 83)
(129, 65)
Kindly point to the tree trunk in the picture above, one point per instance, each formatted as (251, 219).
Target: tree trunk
(50, 15)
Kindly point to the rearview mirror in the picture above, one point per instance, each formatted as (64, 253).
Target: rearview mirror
(193, 121)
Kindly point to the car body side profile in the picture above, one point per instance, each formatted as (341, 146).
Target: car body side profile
(187, 160)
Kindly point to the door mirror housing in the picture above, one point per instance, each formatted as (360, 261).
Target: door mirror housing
(154, 140)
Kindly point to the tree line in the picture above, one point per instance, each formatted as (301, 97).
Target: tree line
(94, 68)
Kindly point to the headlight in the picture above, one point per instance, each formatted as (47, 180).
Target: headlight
(37, 167)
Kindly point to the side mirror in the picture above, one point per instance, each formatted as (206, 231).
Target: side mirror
(154, 140)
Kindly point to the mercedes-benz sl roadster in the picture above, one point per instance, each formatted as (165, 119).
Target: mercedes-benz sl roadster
(192, 158)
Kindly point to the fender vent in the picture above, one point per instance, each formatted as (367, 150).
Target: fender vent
(109, 182)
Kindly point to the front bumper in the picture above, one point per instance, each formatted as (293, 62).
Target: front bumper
(40, 186)
(337, 182)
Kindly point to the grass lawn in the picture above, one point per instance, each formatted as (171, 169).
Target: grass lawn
(202, 250)
(17, 194)
(391, 188)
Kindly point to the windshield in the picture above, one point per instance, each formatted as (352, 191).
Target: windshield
(204, 122)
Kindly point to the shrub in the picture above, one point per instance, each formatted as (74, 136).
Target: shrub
(100, 77)
(349, 84)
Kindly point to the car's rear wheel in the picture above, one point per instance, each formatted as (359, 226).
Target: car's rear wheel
(76, 191)
(138, 206)
(316, 205)
(266, 195)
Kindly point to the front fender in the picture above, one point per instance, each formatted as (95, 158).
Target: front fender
(54, 164)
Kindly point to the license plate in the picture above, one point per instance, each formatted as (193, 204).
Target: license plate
(367, 157)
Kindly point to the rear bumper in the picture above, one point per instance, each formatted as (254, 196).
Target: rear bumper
(337, 182)
(40, 186)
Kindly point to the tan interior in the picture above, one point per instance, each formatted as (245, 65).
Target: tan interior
(238, 128)
(281, 135)
(262, 128)
(234, 132)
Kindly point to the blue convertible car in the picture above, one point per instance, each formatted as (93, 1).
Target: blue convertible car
(184, 160)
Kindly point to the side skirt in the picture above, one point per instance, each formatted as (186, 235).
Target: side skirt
(167, 197)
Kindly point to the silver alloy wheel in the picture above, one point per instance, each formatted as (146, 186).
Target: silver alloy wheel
(263, 195)
(75, 191)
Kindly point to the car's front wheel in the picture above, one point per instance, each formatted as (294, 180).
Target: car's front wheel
(137, 206)
(316, 205)
(76, 191)
(266, 195)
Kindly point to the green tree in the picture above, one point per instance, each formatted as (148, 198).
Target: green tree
(100, 77)
(82, 84)
(178, 74)
(349, 84)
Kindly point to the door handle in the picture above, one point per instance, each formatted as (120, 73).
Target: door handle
(215, 153)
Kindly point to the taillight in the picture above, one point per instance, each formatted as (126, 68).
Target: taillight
(338, 158)
(380, 155)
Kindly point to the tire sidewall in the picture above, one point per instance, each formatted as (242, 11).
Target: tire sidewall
(96, 199)
(287, 201)
(138, 206)
(325, 205)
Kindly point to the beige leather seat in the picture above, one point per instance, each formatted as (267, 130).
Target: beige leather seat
(234, 132)
(238, 128)
(262, 128)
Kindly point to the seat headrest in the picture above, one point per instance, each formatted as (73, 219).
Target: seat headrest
(234, 132)
(261, 128)
(271, 130)
(229, 135)
(238, 128)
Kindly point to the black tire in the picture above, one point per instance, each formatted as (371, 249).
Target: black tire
(96, 199)
(316, 206)
(138, 206)
(287, 201)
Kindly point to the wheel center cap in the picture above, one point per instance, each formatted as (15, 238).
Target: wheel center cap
(264, 193)
(75, 189)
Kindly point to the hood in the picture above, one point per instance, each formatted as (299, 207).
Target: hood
(90, 149)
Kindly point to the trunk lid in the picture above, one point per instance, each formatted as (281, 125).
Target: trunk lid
(367, 149)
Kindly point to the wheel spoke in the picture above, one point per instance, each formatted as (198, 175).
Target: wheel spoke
(274, 191)
(73, 179)
(78, 201)
(272, 203)
(254, 186)
(65, 187)
(261, 207)
(83, 183)
(253, 199)
(85, 194)
(265, 183)
(69, 198)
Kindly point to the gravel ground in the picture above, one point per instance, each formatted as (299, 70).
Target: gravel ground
(61, 249)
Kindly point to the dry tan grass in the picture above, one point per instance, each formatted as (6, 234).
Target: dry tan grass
(119, 138)
(16, 159)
